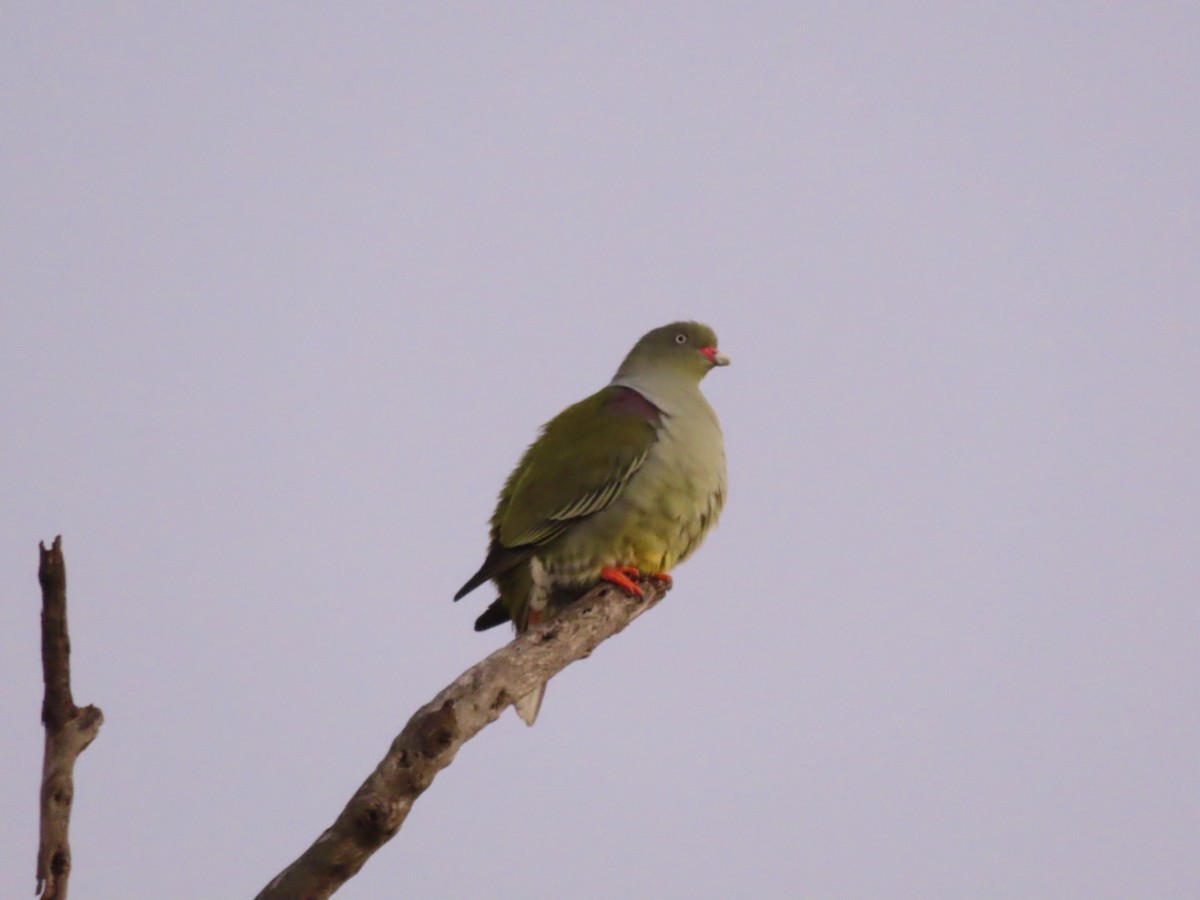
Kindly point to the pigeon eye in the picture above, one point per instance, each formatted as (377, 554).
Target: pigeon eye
(681, 338)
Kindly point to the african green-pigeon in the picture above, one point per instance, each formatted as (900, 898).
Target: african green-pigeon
(621, 485)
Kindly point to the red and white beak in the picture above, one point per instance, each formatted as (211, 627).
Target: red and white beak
(715, 356)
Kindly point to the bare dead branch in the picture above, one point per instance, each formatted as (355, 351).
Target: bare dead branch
(436, 731)
(69, 729)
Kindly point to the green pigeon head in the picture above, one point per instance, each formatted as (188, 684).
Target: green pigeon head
(681, 350)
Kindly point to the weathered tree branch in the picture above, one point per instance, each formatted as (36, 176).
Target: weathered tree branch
(69, 729)
(436, 731)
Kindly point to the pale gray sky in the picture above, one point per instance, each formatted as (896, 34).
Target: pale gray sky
(288, 288)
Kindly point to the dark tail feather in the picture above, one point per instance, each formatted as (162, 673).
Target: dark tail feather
(476, 580)
(499, 559)
(494, 615)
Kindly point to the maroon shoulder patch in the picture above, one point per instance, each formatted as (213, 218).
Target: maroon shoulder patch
(628, 401)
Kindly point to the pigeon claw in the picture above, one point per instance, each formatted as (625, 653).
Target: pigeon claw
(622, 577)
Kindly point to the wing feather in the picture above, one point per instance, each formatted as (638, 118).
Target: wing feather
(582, 461)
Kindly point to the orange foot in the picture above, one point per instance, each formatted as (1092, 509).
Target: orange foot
(664, 578)
(622, 577)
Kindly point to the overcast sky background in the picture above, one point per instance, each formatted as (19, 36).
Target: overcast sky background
(286, 291)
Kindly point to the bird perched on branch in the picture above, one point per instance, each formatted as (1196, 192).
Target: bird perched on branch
(620, 486)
